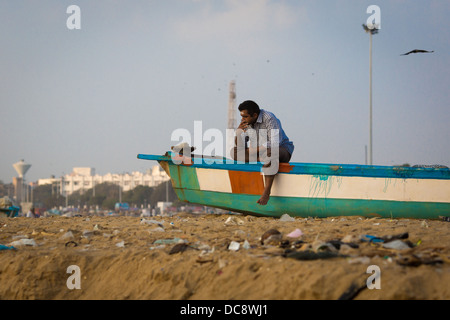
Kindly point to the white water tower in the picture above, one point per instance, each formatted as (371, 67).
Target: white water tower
(21, 168)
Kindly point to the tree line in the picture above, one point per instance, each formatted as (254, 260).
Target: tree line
(104, 196)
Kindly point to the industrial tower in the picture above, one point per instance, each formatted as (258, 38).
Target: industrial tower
(231, 117)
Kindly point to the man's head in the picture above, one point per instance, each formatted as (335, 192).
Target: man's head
(249, 111)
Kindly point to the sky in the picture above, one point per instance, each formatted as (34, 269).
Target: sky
(138, 70)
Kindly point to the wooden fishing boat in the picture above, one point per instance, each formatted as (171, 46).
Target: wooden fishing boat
(310, 189)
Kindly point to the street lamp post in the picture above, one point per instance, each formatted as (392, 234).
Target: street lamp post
(371, 32)
(120, 188)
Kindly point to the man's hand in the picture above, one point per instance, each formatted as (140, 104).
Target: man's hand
(243, 126)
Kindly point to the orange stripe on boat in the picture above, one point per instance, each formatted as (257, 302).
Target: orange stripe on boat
(285, 167)
(246, 182)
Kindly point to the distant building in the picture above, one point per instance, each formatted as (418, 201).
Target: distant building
(85, 178)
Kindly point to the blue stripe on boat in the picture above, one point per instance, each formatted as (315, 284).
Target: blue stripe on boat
(318, 169)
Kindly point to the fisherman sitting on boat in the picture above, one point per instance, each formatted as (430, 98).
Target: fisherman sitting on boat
(267, 143)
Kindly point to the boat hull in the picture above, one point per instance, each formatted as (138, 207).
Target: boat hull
(313, 190)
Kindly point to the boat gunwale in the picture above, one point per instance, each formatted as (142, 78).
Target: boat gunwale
(319, 169)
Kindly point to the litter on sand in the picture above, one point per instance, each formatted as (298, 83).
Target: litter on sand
(23, 242)
(295, 234)
(179, 247)
(287, 218)
(311, 255)
(3, 247)
(169, 241)
(271, 236)
(234, 246)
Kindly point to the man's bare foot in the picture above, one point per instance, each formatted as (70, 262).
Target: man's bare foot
(264, 199)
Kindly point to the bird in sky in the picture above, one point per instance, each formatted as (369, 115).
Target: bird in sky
(417, 51)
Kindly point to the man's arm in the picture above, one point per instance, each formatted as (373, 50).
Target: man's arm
(273, 133)
(240, 130)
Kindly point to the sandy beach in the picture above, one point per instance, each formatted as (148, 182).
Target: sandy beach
(223, 257)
